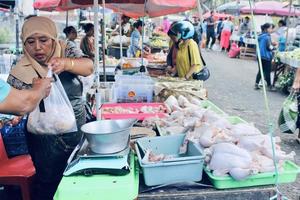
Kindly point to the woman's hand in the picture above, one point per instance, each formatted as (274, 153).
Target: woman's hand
(296, 84)
(57, 65)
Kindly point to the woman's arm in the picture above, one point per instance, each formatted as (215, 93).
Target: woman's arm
(192, 70)
(296, 84)
(78, 66)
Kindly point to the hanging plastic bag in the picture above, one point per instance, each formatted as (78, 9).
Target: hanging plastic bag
(289, 114)
(55, 114)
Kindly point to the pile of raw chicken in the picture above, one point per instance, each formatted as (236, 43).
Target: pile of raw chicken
(239, 150)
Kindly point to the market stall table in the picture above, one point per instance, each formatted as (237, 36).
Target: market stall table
(115, 51)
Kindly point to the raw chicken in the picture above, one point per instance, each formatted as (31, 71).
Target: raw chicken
(174, 129)
(240, 173)
(244, 129)
(279, 154)
(256, 142)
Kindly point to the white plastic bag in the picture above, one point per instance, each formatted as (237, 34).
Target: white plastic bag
(56, 116)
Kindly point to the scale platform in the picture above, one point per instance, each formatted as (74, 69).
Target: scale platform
(83, 161)
(101, 186)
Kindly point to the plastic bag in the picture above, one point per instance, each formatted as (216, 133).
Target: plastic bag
(289, 114)
(55, 114)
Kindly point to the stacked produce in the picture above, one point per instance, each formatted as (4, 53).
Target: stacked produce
(238, 149)
(291, 58)
(159, 42)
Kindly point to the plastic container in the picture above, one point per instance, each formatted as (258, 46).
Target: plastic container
(190, 168)
(136, 88)
(209, 105)
(288, 175)
(139, 116)
(236, 120)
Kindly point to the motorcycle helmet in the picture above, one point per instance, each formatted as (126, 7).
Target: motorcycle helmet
(182, 29)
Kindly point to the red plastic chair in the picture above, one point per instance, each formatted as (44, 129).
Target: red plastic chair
(18, 170)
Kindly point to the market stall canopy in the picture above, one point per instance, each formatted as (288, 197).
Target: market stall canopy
(58, 5)
(151, 8)
(271, 8)
(217, 15)
(232, 7)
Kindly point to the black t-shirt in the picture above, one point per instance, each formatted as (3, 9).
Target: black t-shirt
(210, 26)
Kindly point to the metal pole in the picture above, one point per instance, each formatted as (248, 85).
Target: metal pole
(120, 30)
(287, 30)
(17, 26)
(199, 10)
(104, 37)
(96, 58)
(67, 18)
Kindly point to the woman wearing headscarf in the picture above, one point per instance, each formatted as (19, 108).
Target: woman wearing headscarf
(42, 49)
(87, 43)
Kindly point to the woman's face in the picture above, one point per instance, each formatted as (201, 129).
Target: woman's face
(90, 32)
(39, 47)
(72, 35)
(270, 29)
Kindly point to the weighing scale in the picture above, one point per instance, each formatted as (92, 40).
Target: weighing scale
(99, 176)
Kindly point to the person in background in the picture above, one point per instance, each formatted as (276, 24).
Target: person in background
(21, 102)
(71, 46)
(210, 31)
(245, 26)
(198, 35)
(281, 33)
(203, 29)
(126, 27)
(266, 48)
(42, 50)
(296, 87)
(134, 49)
(227, 29)
(87, 43)
(172, 55)
(188, 61)
(219, 28)
(166, 24)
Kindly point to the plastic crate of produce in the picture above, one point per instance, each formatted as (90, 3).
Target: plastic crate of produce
(288, 175)
(209, 105)
(235, 120)
(133, 106)
(188, 168)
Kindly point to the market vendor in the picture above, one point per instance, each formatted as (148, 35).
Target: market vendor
(42, 49)
(125, 25)
(188, 61)
(87, 43)
(20, 102)
(134, 49)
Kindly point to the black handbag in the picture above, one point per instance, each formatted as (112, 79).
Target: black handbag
(204, 73)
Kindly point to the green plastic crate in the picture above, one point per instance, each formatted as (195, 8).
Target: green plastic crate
(288, 175)
(100, 186)
(235, 120)
(211, 106)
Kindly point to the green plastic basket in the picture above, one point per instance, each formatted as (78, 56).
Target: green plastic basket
(211, 106)
(100, 186)
(288, 175)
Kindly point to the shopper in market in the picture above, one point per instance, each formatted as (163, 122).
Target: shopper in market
(188, 61)
(172, 54)
(245, 26)
(42, 50)
(71, 46)
(87, 43)
(227, 28)
(281, 34)
(210, 31)
(266, 48)
(134, 49)
(21, 102)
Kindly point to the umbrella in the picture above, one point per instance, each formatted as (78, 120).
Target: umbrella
(270, 8)
(232, 7)
(140, 8)
(58, 5)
